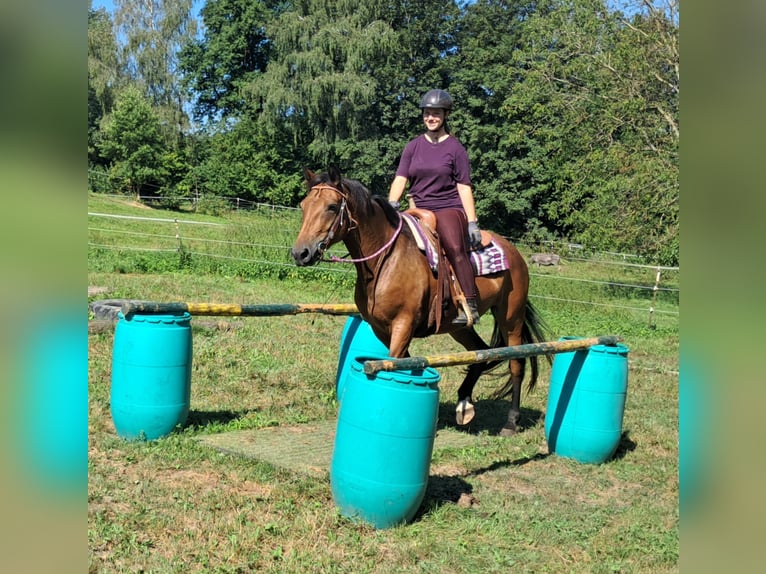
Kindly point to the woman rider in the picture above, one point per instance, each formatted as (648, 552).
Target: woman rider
(436, 167)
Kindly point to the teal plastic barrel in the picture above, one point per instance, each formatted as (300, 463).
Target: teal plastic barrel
(383, 444)
(357, 340)
(586, 403)
(151, 374)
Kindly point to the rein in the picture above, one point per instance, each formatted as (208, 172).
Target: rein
(339, 221)
(334, 259)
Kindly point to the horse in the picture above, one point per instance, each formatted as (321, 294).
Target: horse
(395, 285)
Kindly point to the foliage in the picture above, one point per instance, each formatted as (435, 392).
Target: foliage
(595, 117)
(154, 32)
(234, 49)
(246, 162)
(212, 205)
(103, 75)
(133, 143)
(568, 108)
(318, 80)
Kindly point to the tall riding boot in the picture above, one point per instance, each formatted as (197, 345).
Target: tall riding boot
(461, 318)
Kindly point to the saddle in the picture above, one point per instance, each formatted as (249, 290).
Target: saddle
(422, 222)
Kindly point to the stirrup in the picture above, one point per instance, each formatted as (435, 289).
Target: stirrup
(462, 318)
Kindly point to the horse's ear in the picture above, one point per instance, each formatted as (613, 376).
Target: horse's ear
(308, 174)
(333, 172)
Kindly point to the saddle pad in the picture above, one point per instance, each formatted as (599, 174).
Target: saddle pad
(489, 259)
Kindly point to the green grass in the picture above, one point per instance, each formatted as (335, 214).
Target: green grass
(174, 505)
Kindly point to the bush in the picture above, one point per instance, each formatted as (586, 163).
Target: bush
(212, 205)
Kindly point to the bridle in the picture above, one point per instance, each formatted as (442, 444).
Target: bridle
(338, 222)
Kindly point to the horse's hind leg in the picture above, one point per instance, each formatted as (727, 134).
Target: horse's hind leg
(517, 376)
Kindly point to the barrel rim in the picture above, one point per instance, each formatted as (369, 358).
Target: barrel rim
(166, 318)
(618, 349)
(427, 376)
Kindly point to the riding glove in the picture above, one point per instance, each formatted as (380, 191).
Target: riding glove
(474, 235)
(394, 204)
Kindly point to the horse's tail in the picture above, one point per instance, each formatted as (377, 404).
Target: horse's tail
(534, 330)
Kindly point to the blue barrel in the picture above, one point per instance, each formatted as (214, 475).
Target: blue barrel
(151, 374)
(586, 403)
(358, 339)
(383, 444)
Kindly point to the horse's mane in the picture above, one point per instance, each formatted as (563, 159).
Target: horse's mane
(360, 199)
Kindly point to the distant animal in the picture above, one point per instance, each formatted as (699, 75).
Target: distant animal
(396, 288)
(545, 259)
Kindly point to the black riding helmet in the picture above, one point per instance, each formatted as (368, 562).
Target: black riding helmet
(436, 99)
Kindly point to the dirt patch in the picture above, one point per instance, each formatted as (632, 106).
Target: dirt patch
(204, 482)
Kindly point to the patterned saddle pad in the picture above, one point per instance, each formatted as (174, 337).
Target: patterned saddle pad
(485, 261)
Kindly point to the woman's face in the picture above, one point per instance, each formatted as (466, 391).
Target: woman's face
(433, 119)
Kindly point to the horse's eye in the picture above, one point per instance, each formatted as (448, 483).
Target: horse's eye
(333, 208)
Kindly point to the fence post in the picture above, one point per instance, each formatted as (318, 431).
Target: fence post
(654, 298)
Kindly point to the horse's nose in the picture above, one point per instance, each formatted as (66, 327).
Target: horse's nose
(302, 256)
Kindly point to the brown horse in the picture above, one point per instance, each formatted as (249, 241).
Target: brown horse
(395, 286)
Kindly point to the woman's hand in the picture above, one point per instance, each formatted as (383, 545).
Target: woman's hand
(474, 234)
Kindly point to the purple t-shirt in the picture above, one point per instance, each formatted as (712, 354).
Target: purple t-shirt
(434, 170)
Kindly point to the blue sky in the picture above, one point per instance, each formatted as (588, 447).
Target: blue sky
(109, 5)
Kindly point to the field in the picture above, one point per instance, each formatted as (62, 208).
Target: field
(495, 505)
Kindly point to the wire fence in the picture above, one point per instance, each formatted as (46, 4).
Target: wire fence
(151, 238)
(614, 282)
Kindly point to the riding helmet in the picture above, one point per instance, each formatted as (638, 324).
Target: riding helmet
(436, 99)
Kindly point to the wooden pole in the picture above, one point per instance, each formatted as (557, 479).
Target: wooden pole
(225, 309)
(499, 353)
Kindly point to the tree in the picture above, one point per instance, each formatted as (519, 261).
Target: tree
(482, 78)
(246, 161)
(318, 80)
(154, 31)
(103, 75)
(233, 51)
(133, 143)
(590, 122)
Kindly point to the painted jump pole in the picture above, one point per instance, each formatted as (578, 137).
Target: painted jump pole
(231, 310)
(499, 353)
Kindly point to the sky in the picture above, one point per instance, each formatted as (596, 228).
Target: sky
(109, 5)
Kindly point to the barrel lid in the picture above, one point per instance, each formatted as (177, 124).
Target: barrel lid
(166, 319)
(618, 349)
(422, 377)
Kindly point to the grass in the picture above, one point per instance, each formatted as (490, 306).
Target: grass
(175, 505)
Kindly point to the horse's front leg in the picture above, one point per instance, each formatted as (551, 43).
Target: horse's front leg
(464, 410)
(401, 336)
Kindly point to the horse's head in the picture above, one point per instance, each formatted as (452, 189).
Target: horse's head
(325, 216)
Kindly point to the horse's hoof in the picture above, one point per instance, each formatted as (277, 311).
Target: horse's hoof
(464, 412)
(507, 431)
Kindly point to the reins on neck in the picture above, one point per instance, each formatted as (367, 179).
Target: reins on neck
(337, 224)
(334, 259)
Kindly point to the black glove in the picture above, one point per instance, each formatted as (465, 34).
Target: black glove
(394, 204)
(474, 235)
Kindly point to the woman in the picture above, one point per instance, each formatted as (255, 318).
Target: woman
(436, 167)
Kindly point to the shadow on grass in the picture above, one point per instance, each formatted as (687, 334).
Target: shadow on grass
(625, 446)
(443, 490)
(490, 417)
(200, 419)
